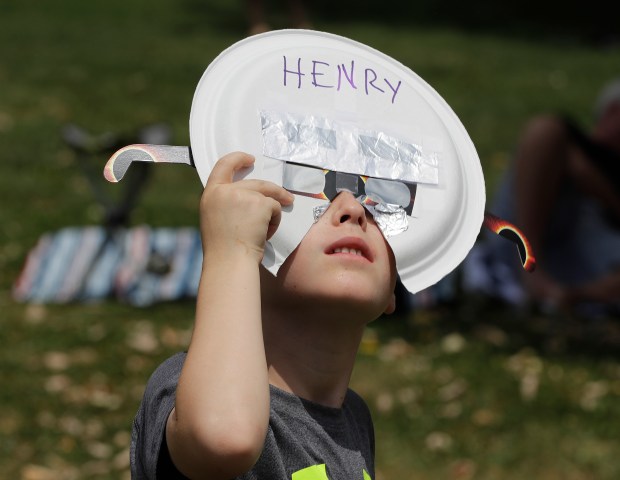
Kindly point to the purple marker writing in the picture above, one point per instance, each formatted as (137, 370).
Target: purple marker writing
(322, 74)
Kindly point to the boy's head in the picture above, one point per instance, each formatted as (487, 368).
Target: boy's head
(332, 104)
(359, 120)
(343, 264)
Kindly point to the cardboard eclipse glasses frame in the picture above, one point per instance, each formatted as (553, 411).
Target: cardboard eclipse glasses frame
(119, 163)
(444, 215)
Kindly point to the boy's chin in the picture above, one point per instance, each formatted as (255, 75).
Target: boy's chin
(341, 292)
(367, 303)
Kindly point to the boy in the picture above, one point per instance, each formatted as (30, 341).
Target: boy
(263, 390)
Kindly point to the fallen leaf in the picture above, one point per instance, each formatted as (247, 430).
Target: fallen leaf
(38, 472)
(407, 395)
(94, 428)
(10, 422)
(451, 410)
(95, 468)
(84, 356)
(56, 361)
(463, 470)
(57, 383)
(438, 442)
(453, 343)
(452, 390)
(529, 386)
(99, 450)
(395, 349)
(35, 313)
(142, 337)
(122, 438)
(385, 402)
(592, 394)
(484, 417)
(121, 460)
(370, 342)
(71, 425)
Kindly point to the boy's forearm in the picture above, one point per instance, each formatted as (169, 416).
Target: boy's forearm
(222, 403)
(219, 424)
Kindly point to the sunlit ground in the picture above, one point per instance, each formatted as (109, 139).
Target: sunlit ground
(467, 391)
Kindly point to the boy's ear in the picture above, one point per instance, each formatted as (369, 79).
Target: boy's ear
(391, 307)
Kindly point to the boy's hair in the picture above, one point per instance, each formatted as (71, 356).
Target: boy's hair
(609, 94)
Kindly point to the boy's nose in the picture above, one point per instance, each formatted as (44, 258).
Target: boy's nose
(347, 209)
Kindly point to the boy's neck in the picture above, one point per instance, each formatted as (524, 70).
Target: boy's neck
(311, 357)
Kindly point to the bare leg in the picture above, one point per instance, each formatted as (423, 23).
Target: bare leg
(298, 14)
(256, 17)
(540, 168)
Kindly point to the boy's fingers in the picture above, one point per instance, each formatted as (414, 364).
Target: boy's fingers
(269, 189)
(225, 168)
(276, 216)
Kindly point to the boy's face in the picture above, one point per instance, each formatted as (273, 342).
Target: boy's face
(343, 262)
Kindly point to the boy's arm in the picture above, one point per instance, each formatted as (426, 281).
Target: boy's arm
(219, 424)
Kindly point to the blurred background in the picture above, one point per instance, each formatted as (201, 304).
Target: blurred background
(461, 386)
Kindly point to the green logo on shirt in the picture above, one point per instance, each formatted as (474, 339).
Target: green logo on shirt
(317, 472)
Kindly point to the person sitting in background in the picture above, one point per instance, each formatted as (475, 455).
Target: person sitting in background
(258, 23)
(563, 190)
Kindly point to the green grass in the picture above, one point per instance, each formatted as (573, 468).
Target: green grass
(460, 404)
(455, 394)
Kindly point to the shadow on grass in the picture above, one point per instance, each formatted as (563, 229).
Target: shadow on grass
(507, 329)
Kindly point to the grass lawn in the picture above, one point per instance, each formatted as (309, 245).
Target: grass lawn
(462, 392)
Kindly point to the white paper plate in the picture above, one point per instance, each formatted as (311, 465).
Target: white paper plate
(249, 76)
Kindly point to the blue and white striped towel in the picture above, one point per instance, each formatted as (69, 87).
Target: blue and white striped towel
(78, 264)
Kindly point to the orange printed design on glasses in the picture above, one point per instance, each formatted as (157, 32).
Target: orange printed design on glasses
(509, 231)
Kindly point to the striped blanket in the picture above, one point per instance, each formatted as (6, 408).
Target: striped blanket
(139, 265)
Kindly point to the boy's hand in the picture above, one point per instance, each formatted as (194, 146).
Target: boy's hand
(237, 218)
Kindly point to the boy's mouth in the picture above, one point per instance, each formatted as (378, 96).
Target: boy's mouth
(351, 246)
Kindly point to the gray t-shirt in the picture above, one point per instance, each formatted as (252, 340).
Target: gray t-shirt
(305, 440)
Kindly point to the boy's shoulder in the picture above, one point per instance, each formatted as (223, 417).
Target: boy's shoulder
(149, 426)
(353, 398)
(168, 372)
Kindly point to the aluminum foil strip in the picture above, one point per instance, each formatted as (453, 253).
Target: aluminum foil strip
(345, 147)
(391, 219)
